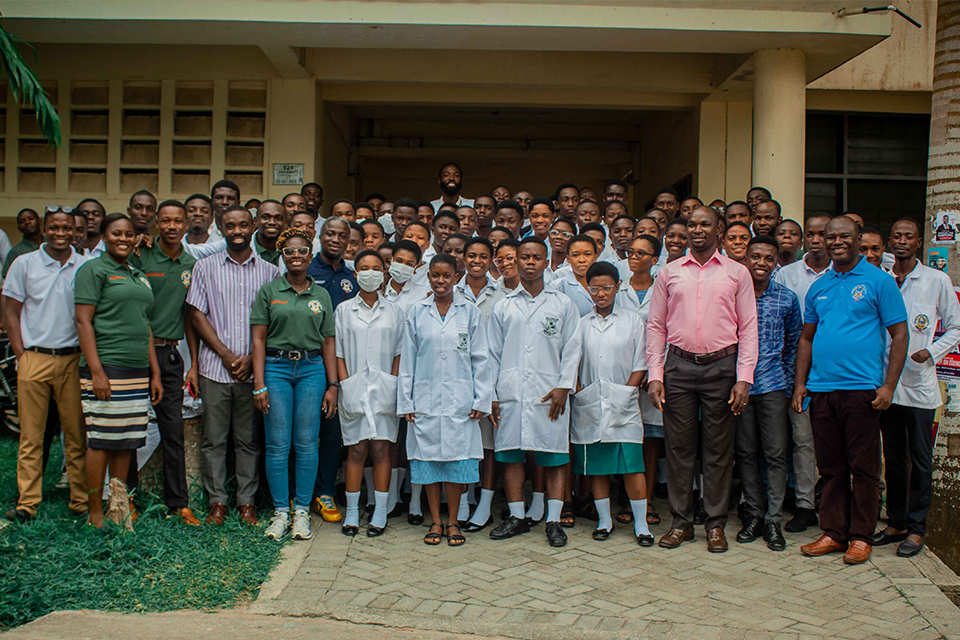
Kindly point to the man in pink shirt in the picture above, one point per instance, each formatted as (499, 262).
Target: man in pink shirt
(702, 306)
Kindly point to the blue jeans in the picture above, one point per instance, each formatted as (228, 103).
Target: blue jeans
(296, 393)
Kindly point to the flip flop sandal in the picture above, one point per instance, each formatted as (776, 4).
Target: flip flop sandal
(433, 538)
(455, 540)
(653, 517)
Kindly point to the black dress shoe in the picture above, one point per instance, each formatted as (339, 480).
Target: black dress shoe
(556, 536)
(773, 536)
(18, 515)
(802, 520)
(602, 534)
(882, 538)
(374, 532)
(750, 531)
(349, 530)
(416, 519)
(909, 548)
(471, 527)
(397, 510)
(510, 527)
(645, 540)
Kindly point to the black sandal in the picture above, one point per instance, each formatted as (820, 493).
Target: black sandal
(567, 516)
(432, 538)
(625, 516)
(455, 540)
(652, 516)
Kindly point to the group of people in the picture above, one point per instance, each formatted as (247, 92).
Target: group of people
(459, 344)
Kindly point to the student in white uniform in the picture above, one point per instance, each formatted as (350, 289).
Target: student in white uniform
(445, 388)
(481, 289)
(368, 333)
(572, 282)
(419, 233)
(907, 426)
(505, 259)
(561, 232)
(606, 431)
(599, 234)
(535, 351)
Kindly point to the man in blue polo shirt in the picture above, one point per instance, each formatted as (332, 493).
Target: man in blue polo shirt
(329, 271)
(840, 361)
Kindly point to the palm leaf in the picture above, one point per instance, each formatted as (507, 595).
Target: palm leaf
(25, 86)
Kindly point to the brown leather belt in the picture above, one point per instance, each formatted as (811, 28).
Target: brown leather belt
(704, 358)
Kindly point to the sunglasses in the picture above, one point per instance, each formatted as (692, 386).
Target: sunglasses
(296, 251)
(52, 208)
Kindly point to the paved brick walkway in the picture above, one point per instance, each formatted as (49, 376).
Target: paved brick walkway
(522, 588)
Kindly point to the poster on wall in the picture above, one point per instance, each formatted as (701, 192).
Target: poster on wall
(937, 258)
(945, 227)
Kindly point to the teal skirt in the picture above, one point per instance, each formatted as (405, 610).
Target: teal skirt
(607, 458)
(433, 471)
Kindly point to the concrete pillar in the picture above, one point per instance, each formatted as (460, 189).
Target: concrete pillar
(943, 193)
(779, 126)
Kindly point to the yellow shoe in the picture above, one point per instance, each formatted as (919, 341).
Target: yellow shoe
(327, 508)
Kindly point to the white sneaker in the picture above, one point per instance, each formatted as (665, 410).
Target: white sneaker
(63, 482)
(279, 525)
(301, 525)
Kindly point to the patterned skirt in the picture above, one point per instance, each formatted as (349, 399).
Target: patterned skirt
(432, 471)
(121, 421)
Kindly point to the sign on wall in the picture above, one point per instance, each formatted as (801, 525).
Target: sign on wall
(288, 173)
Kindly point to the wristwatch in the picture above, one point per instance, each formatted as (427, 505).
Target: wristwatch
(333, 384)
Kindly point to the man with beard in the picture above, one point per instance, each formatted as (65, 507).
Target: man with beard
(313, 194)
(271, 220)
(94, 212)
(451, 182)
(221, 296)
(198, 241)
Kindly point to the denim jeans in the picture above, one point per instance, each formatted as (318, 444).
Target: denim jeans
(296, 390)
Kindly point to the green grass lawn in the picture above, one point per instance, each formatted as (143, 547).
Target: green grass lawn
(56, 562)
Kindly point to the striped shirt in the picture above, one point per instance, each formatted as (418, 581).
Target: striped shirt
(224, 291)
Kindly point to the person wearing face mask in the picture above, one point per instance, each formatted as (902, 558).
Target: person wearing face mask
(294, 379)
(401, 288)
(368, 332)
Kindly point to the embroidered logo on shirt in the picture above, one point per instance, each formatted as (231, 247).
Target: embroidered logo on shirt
(462, 342)
(858, 292)
(146, 282)
(921, 322)
(314, 306)
(550, 326)
(346, 285)
(185, 278)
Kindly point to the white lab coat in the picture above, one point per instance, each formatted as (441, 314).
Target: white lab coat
(368, 340)
(535, 348)
(566, 283)
(411, 294)
(444, 374)
(606, 409)
(929, 298)
(627, 299)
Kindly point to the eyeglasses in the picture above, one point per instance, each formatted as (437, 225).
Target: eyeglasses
(296, 251)
(566, 235)
(639, 253)
(607, 288)
(52, 208)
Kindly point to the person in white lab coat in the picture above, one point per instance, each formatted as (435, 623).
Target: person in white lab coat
(599, 234)
(478, 287)
(572, 281)
(562, 230)
(606, 430)
(445, 387)
(535, 351)
(907, 426)
(368, 332)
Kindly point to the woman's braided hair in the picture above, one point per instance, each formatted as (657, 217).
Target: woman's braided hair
(286, 234)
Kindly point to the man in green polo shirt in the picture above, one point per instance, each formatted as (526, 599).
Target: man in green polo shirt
(169, 268)
(271, 220)
(28, 222)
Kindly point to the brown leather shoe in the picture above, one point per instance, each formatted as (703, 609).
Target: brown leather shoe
(822, 546)
(249, 515)
(218, 512)
(675, 537)
(857, 553)
(716, 540)
(187, 517)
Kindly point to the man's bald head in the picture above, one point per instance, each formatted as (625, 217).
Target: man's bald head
(710, 211)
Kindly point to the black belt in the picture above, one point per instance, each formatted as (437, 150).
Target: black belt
(293, 354)
(704, 358)
(66, 351)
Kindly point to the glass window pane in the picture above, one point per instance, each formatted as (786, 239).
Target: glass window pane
(822, 196)
(824, 143)
(883, 202)
(887, 145)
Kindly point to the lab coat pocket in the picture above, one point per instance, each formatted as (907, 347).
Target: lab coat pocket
(424, 399)
(352, 391)
(585, 415)
(383, 400)
(508, 386)
(621, 408)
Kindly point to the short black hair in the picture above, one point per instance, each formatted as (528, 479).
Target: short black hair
(510, 204)
(770, 240)
(411, 246)
(369, 252)
(449, 164)
(311, 184)
(872, 230)
(594, 226)
(509, 242)
(532, 240)
(356, 227)
(565, 185)
(772, 201)
(375, 196)
(668, 190)
(142, 192)
(676, 222)
(619, 183)
(627, 218)
(457, 236)
(692, 198)
(737, 202)
(220, 184)
(905, 219)
(763, 189)
(199, 196)
(588, 201)
(292, 193)
(502, 186)
(364, 205)
(94, 201)
(654, 242)
(478, 240)
(426, 203)
(565, 220)
(544, 201)
(389, 246)
(603, 268)
(110, 218)
(582, 237)
(505, 230)
(613, 203)
(372, 221)
(267, 201)
(443, 258)
(340, 201)
(417, 223)
(172, 203)
(237, 207)
(446, 206)
(409, 203)
(814, 216)
(445, 214)
(734, 225)
(792, 221)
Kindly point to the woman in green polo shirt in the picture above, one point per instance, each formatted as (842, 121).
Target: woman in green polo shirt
(294, 378)
(119, 372)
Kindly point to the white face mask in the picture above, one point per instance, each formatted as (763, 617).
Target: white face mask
(400, 272)
(370, 280)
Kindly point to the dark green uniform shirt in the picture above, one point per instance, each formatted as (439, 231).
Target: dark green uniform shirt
(123, 300)
(170, 279)
(273, 257)
(22, 247)
(295, 321)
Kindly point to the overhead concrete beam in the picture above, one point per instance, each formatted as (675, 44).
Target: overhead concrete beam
(287, 60)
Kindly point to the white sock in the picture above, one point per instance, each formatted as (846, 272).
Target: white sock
(554, 508)
(639, 508)
(368, 480)
(471, 493)
(603, 511)
(379, 518)
(482, 513)
(535, 512)
(352, 517)
(463, 511)
(415, 507)
(516, 509)
(392, 491)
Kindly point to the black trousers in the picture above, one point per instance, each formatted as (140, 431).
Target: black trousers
(169, 413)
(908, 450)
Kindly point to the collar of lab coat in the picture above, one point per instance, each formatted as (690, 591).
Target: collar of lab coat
(458, 301)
